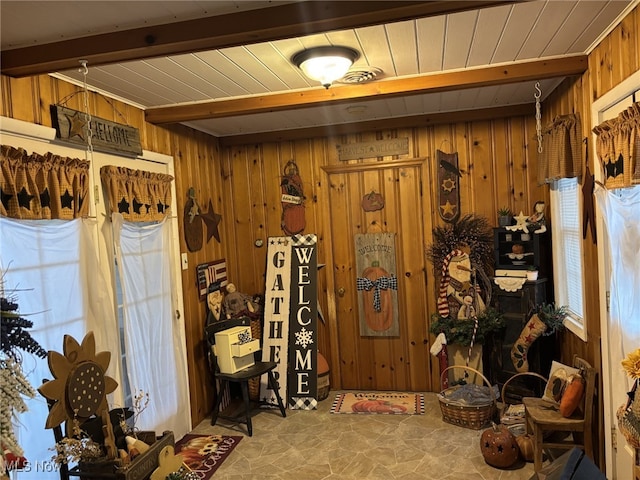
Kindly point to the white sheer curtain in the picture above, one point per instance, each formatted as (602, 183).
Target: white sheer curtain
(50, 267)
(153, 347)
(621, 213)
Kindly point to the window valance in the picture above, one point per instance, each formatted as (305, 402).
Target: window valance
(561, 156)
(49, 186)
(138, 195)
(618, 148)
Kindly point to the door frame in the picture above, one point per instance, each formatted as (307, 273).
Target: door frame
(616, 94)
(34, 135)
(332, 320)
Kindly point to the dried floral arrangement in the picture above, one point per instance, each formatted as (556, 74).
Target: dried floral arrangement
(473, 232)
(80, 445)
(14, 386)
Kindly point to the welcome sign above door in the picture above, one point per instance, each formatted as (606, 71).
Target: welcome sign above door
(106, 136)
(378, 148)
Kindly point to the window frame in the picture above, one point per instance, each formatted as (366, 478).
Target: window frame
(574, 321)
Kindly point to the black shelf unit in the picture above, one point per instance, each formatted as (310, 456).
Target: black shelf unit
(536, 250)
(516, 307)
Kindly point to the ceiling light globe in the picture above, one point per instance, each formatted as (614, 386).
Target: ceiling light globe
(325, 64)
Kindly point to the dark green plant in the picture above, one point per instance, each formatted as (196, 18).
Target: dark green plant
(13, 333)
(552, 316)
(504, 212)
(460, 332)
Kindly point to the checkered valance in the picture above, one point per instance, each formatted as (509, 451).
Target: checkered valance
(48, 186)
(618, 148)
(138, 195)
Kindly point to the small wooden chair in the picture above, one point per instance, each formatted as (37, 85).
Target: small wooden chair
(241, 377)
(544, 417)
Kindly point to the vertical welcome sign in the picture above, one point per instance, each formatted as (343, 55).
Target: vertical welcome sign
(290, 315)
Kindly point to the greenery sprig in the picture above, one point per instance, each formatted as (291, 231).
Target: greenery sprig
(460, 332)
(552, 316)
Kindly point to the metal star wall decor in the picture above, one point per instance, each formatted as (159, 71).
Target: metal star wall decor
(211, 219)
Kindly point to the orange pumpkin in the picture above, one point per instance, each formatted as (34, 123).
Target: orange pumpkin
(525, 444)
(499, 447)
(572, 395)
(382, 320)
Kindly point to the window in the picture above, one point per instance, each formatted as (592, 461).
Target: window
(567, 252)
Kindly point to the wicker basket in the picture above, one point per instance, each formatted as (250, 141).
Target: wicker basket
(516, 426)
(254, 383)
(474, 417)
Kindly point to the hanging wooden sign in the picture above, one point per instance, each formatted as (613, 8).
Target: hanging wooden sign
(379, 148)
(377, 284)
(106, 136)
(448, 186)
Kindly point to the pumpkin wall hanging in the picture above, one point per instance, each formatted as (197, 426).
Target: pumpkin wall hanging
(377, 284)
(372, 202)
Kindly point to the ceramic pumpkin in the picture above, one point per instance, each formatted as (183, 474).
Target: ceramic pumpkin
(525, 444)
(499, 447)
(382, 320)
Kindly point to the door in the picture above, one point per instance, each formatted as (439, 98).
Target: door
(399, 361)
(619, 456)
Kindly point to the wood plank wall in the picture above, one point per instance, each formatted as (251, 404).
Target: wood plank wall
(497, 159)
(612, 61)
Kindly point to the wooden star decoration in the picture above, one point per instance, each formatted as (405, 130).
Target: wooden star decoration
(448, 208)
(521, 223)
(76, 125)
(211, 219)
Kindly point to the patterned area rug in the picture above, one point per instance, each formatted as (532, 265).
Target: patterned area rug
(204, 454)
(389, 403)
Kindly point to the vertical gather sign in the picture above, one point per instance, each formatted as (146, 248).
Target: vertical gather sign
(290, 317)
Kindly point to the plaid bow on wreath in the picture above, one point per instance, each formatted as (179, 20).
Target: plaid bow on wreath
(384, 283)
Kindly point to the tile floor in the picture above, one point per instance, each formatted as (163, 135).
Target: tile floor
(315, 445)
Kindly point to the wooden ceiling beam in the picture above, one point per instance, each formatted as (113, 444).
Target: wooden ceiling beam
(221, 31)
(336, 95)
(336, 130)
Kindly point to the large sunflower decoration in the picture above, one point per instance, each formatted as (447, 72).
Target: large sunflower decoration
(80, 388)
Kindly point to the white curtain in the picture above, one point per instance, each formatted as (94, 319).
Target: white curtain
(620, 210)
(153, 342)
(51, 269)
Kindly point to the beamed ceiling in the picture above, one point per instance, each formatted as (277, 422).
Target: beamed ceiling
(225, 67)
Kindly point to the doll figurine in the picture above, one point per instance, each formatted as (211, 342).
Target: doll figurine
(536, 221)
(214, 301)
(236, 303)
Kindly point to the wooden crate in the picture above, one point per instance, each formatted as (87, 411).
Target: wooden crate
(140, 468)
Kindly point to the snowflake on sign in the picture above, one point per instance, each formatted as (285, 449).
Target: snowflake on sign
(304, 337)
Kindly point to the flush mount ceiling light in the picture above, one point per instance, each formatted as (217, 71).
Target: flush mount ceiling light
(325, 64)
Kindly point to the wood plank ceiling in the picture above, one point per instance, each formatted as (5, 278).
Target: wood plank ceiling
(224, 67)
